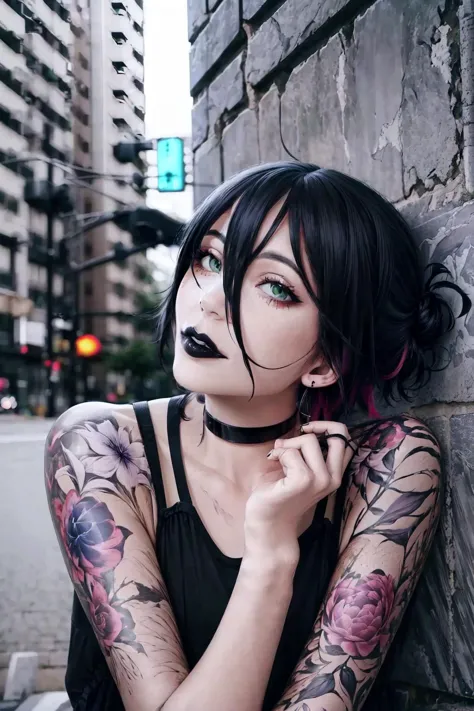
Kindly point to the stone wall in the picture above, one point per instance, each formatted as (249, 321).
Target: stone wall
(374, 89)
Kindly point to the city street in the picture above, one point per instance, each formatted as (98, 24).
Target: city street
(35, 593)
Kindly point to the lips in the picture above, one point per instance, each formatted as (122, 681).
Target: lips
(199, 345)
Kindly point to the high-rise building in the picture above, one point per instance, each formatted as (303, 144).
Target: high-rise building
(35, 127)
(71, 70)
(108, 107)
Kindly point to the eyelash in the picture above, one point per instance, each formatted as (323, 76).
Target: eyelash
(201, 253)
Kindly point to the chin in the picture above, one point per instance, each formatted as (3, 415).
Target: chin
(206, 376)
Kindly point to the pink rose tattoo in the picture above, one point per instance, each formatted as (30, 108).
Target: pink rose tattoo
(358, 612)
(106, 619)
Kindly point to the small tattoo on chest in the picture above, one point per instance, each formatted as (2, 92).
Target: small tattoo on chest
(228, 518)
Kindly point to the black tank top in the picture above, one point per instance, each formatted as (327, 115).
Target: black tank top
(200, 580)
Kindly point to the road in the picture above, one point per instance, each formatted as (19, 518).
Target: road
(35, 592)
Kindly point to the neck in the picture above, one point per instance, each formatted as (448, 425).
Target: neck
(244, 463)
(257, 412)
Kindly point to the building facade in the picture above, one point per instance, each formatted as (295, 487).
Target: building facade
(35, 127)
(74, 68)
(381, 90)
(108, 107)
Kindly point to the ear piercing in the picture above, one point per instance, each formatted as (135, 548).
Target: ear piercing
(312, 383)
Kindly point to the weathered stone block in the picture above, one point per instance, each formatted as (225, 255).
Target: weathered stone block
(200, 117)
(197, 17)
(207, 170)
(423, 654)
(251, 7)
(462, 449)
(428, 127)
(311, 111)
(370, 96)
(271, 148)
(289, 27)
(227, 91)
(221, 31)
(240, 144)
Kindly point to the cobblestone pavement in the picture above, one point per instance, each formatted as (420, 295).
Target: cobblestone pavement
(35, 592)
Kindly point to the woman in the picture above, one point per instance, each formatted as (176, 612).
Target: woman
(240, 549)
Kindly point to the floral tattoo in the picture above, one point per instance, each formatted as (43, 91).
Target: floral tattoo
(91, 468)
(392, 506)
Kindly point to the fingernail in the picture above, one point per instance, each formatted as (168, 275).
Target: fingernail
(302, 429)
(269, 454)
(277, 443)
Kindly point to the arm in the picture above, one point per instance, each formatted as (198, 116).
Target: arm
(390, 516)
(103, 510)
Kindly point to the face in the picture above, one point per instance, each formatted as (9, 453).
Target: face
(279, 320)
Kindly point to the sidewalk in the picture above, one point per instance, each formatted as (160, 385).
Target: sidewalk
(52, 701)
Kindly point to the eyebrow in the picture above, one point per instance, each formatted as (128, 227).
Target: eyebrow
(263, 255)
(279, 258)
(216, 233)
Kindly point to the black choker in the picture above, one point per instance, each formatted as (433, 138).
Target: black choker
(248, 435)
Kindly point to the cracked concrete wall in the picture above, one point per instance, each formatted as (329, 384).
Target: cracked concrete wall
(373, 88)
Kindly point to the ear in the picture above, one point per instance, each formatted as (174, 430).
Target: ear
(321, 375)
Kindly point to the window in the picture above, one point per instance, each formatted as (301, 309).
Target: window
(121, 124)
(83, 61)
(139, 84)
(88, 250)
(121, 95)
(138, 56)
(119, 8)
(119, 37)
(88, 289)
(120, 290)
(120, 67)
(138, 28)
(139, 111)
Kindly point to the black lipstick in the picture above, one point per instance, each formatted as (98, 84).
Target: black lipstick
(199, 345)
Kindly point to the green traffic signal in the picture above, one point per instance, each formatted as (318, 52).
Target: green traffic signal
(171, 170)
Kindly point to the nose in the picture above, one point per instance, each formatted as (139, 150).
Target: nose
(212, 301)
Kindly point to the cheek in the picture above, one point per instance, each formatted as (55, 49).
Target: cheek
(275, 337)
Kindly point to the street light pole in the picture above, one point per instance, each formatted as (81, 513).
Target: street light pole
(50, 213)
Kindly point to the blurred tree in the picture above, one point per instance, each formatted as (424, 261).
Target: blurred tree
(139, 359)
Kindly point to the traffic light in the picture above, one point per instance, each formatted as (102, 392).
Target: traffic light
(171, 169)
(148, 227)
(128, 152)
(44, 197)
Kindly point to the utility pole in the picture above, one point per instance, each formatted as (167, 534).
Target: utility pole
(50, 214)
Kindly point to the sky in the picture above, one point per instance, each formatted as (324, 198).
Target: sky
(168, 102)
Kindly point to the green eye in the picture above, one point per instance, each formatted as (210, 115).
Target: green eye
(211, 264)
(276, 291)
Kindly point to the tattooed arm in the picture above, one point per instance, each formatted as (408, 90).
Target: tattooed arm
(390, 516)
(104, 513)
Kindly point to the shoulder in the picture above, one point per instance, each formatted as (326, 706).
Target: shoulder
(99, 440)
(398, 434)
(394, 480)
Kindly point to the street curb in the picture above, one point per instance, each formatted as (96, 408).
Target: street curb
(52, 701)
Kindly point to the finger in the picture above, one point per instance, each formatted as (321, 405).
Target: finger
(293, 465)
(297, 472)
(338, 443)
(310, 450)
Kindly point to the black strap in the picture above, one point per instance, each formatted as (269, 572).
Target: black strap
(145, 425)
(174, 439)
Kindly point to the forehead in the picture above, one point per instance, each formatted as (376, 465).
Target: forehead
(279, 242)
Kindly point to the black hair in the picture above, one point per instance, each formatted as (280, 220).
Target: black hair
(379, 318)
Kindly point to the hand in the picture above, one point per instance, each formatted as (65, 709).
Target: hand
(276, 508)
